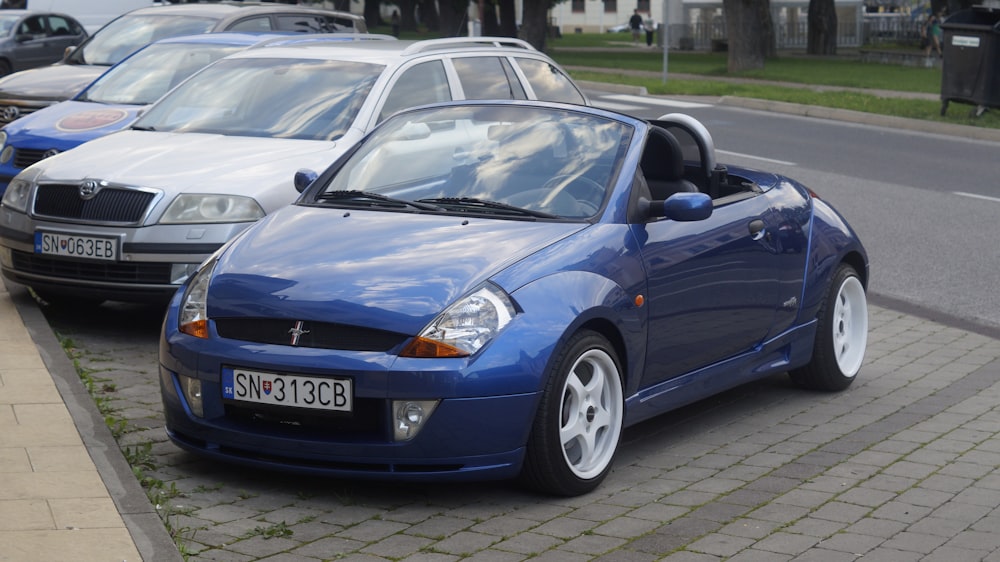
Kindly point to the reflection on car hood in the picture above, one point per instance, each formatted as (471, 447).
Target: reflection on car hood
(190, 162)
(386, 270)
(57, 82)
(69, 123)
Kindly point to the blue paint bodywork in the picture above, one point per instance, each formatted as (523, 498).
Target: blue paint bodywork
(691, 308)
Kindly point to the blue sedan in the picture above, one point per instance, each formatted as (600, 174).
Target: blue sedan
(495, 290)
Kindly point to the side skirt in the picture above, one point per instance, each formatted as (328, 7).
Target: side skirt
(788, 350)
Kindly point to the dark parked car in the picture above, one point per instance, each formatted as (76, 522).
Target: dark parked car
(34, 89)
(492, 290)
(30, 39)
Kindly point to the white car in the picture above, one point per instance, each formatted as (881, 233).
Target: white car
(131, 215)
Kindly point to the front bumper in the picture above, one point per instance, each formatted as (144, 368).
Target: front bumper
(152, 260)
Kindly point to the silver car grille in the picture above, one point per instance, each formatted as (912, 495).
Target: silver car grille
(111, 204)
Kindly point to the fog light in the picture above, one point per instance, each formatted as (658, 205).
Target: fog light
(192, 394)
(7, 154)
(179, 272)
(5, 258)
(411, 416)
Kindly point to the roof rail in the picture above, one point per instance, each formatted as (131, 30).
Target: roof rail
(447, 42)
(322, 38)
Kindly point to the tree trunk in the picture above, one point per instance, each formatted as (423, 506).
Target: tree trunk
(535, 22)
(767, 30)
(508, 19)
(407, 15)
(822, 28)
(454, 18)
(488, 17)
(746, 34)
(372, 17)
(429, 15)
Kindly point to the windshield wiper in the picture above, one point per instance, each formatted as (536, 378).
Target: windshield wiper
(482, 205)
(142, 128)
(370, 199)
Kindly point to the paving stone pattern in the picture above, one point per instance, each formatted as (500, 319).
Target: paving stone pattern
(901, 466)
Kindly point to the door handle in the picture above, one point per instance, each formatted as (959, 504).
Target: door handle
(757, 231)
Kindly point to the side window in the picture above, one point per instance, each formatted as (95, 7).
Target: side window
(549, 83)
(32, 26)
(418, 85)
(261, 23)
(483, 78)
(60, 26)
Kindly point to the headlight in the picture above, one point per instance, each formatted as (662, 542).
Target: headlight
(193, 317)
(3, 138)
(465, 326)
(205, 208)
(17, 194)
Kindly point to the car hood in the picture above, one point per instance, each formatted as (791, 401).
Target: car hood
(392, 271)
(70, 123)
(56, 82)
(192, 162)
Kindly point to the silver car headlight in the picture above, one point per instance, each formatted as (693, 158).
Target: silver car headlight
(19, 192)
(191, 208)
(192, 319)
(466, 326)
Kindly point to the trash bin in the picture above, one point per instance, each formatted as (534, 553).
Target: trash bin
(970, 71)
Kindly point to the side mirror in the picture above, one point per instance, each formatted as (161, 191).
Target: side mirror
(682, 207)
(303, 179)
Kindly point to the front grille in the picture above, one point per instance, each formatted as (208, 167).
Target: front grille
(117, 272)
(322, 335)
(365, 422)
(110, 204)
(25, 157)
(22, 110)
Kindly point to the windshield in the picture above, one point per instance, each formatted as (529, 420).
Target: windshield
(7, 22)
(126, 34)
(285, 98)
(150, 73)
(488, 159)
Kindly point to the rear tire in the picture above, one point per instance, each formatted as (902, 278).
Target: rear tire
(841, 335)
(578, 425)
(5, 68)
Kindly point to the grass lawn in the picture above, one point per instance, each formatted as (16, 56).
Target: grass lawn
(842, 71)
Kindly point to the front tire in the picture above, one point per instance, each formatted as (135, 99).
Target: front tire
(841, 335)
(578, 425)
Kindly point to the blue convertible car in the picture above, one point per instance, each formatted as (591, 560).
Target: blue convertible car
(494, 290)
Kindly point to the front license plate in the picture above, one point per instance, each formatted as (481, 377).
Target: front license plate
(318, 393)
(70, 245)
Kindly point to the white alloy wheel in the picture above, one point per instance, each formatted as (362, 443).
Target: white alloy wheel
(591, 414)
(850, 326)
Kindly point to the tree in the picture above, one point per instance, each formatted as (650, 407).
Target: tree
(750, 33)
(822, 39)
(535, 22)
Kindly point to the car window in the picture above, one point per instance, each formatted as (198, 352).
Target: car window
(282, 98)
(550, 161)
(483, 78)
(260, 23)
(59, 26)
(7, 23)
(150, 73)
(420, 84)
(33, 26)
(548, 82)
(308, 23)
(123, 36)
